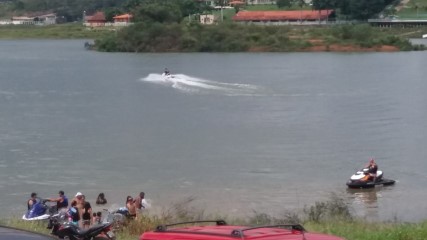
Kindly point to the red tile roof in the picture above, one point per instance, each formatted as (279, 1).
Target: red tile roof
(97, 17)
(124, 16)
(282, 15)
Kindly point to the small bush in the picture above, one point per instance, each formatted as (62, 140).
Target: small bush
(333, 209)
(107, 44)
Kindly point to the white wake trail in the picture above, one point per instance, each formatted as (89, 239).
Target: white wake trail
(195, 85)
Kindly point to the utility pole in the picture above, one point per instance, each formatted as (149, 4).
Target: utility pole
(84, 17)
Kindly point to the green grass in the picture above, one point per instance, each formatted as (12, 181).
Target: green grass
(414, 9)
(330, 217)
(268, 7)
(56, 31)
(227, 14)
(350, 230)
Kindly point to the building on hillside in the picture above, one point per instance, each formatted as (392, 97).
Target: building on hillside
(47, 19)
(207, 19)
(96, 20)
(258, 2)
(303, 17)
(123, 20)
(5, 22)
(208, 2)
(23, 20)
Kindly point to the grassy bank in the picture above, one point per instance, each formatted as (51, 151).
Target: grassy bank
(414, 9)
(354, 230)
(230, 37)
(57, 31)
(331, 217)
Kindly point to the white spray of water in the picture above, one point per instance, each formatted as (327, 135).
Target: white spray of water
(195, 85)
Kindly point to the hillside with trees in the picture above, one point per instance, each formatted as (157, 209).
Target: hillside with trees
(175, 10)
(69, 10)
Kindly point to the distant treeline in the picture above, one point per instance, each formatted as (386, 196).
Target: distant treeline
(345, 9)
(176, 10)
(72, 10)
(68, 10)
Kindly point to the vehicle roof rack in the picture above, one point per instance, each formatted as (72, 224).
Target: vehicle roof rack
(164, 228)
(239, 232)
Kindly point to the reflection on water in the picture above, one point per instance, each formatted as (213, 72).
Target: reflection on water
(366, 201)
(367, 197)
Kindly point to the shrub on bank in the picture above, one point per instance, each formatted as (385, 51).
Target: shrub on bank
(229, 37)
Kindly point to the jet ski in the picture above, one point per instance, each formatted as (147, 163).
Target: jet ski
(167, 76)
(361, 180)
(39, 211)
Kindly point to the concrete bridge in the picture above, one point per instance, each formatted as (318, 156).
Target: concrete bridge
(397, 23)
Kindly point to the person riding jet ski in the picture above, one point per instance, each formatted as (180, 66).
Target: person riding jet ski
(372, 170)
(166, 72)
(369, 177)
(32, 201)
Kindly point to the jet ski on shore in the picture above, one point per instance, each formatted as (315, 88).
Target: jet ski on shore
(39, 211)
(362, 179)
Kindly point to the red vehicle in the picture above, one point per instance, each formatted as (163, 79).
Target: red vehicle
(222, 231)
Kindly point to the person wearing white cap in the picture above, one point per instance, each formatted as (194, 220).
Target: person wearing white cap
(80, 205)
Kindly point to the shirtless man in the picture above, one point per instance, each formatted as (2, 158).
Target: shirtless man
(130, 205)
(140, 202)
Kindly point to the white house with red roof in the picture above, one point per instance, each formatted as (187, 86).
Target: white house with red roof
(96, 20)
(99, 20)
(123, 20)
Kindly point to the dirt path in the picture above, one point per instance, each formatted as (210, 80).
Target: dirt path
(401, 5)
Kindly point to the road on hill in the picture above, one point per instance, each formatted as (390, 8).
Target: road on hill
(7, 233)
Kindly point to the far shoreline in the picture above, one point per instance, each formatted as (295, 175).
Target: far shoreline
(298, 42)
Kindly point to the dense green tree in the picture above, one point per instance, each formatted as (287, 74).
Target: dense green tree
(18, 5)
(283, 3)
(112, 12)
(188, 7)
(162, 11)
(364, 9)
(300, 3)
(324, 4)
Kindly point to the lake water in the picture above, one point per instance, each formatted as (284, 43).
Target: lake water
(237, 131)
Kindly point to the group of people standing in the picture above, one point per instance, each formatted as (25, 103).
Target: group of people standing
(80, 212)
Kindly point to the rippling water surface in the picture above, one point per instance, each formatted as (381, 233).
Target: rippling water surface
(239, 132)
